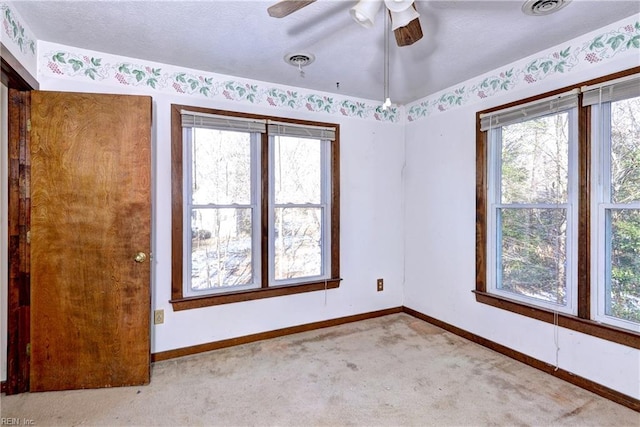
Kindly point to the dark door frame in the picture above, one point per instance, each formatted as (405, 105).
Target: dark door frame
(20, 83)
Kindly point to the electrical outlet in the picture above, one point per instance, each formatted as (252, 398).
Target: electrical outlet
(380, 285)
(158, 317)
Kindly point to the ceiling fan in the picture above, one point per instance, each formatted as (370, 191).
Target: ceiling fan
(404, 16)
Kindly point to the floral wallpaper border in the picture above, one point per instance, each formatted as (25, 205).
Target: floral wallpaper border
(16, 31)
(618, 39)
(13, 28)
(78, 64)
(19, 41)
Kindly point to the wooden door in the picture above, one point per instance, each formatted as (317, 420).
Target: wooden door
(90, 217)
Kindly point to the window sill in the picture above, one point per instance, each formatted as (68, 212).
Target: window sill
(253, 294)
(585, 326)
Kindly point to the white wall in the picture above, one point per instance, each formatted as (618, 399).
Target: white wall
(440, 242)
(372, 157)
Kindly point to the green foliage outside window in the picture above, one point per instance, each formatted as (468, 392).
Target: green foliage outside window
(623, 285)
(533, 218)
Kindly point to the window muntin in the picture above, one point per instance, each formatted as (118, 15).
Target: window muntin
(532, 206)
(616, 154)
(206, 198)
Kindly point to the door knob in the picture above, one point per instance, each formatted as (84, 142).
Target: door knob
(140, 257)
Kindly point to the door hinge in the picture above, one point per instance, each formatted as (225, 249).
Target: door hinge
(28, 349)
(28, 125)
(29, 236)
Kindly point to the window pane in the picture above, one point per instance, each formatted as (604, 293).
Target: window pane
(535, 160)
(625, 151)
(622, 293)
(298, 175)
(533, 253)
(220, 248)
(221, 167)
(298, 242)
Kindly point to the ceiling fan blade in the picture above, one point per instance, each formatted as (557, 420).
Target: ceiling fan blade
(287, 7)
(409, 34)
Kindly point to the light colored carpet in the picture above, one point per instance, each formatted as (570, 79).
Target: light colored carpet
(389, 371)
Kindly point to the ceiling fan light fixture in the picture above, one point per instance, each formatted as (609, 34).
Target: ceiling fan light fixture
(402, 19)
(398, 5)
(364, 12)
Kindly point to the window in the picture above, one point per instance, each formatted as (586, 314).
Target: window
(255, 207)
(533, 202)
(300, 206)
(558, 207)
(616, 201)
(221, 215)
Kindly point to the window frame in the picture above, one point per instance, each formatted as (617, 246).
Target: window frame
(267, 289)
(582, 321)
(601, 204)
(254, 147)
(495, 203)
(324, 205)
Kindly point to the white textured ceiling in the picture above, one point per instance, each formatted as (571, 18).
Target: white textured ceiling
(462, 38)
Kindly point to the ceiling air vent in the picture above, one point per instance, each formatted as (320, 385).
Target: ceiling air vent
(543, 7)
(299, 60)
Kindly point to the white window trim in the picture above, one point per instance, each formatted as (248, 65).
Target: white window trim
(600, 203)
(188, 206)
(493, 196)
(325, 205)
